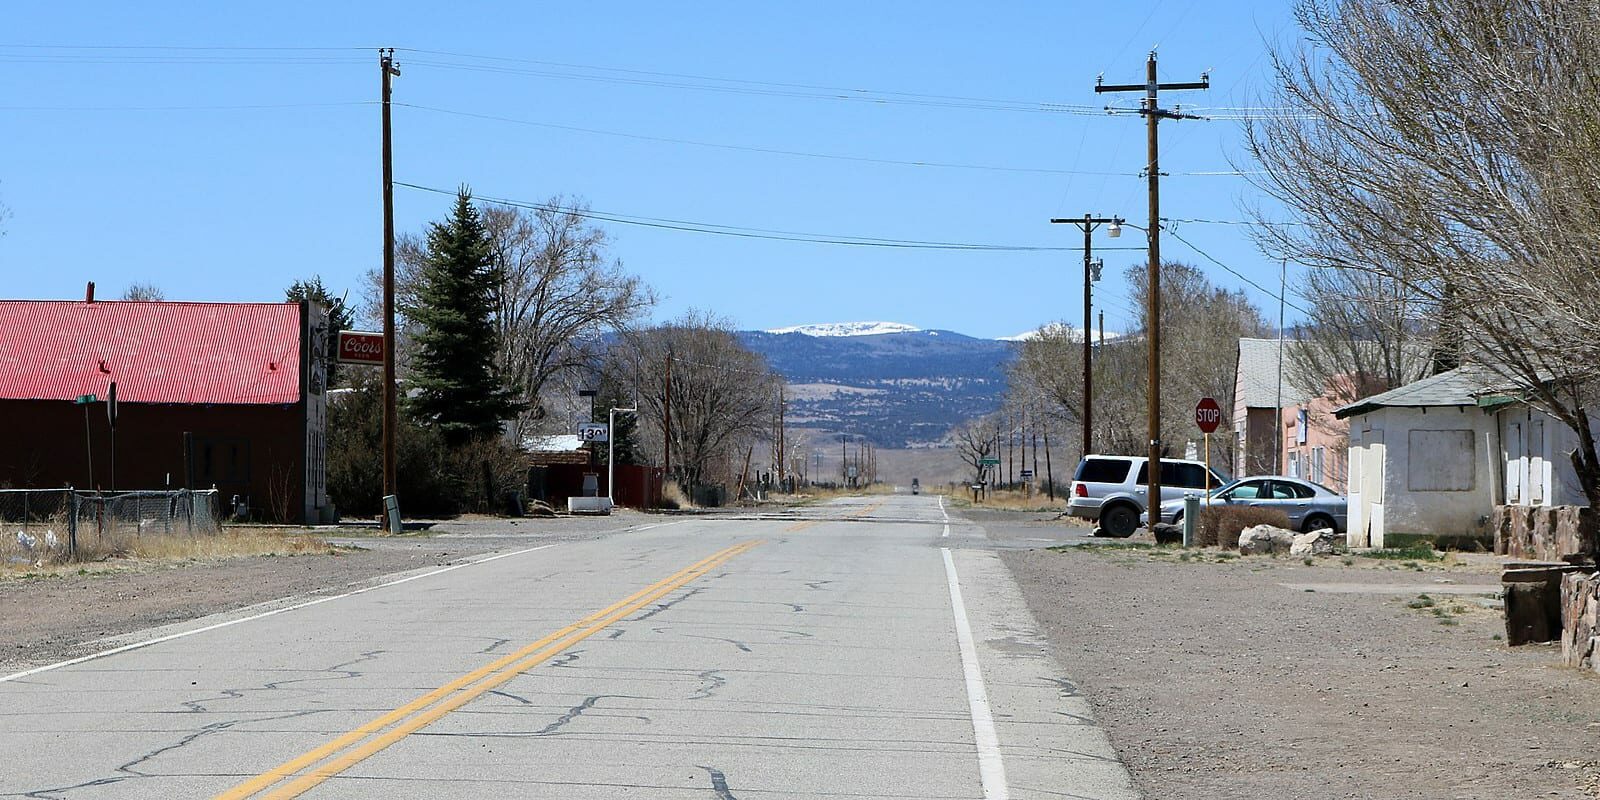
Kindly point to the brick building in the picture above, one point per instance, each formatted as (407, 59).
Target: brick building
(230, 395)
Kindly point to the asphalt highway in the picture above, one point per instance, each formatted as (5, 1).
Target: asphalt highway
(870, 648)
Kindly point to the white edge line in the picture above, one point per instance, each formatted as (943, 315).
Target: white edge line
(181, 634)
(991, 768)
(946, 533)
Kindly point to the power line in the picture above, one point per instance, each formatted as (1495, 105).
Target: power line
(1237, 274)
(722, 86)
(746, 81)
(752, 233)
(230, 107)
(766, 150)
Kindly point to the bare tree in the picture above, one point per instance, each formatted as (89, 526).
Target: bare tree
(1202, 325)
(1447, 146)
(975, 441)
(143, 291)
(722, 394)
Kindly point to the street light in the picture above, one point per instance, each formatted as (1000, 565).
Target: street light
(611, 452)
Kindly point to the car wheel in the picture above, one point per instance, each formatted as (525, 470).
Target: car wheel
(1317, 522)
(1119, 521)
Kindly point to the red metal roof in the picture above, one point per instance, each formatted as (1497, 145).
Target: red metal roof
(220, 353)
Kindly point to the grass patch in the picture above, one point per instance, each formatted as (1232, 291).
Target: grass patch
(1009, 500)
(1413, 554)
(110, 555)
(1445, 613)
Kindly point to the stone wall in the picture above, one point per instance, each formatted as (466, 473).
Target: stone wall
(1544, 533)
(1580, 611)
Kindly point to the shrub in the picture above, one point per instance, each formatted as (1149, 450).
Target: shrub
(1220, 525)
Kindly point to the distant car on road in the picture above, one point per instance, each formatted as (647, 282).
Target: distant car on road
(1111, 489)
(916, 486)
(1309, 506)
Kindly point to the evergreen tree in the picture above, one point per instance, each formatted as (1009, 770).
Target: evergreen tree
(339, 316)
(453, 382)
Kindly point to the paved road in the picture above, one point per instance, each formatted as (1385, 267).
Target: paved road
(851, 650)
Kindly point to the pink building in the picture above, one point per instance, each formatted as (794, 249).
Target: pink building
(1308, 442)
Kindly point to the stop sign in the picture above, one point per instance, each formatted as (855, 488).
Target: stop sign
(1207, 414)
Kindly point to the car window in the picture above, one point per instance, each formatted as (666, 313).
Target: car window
(1103, 470)
(1288, 490)
(1184, 476)
(1189, 476)
(1249, 490)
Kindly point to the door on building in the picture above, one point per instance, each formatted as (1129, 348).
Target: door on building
(1516, 463)
(1536, 470)
(1372, 454)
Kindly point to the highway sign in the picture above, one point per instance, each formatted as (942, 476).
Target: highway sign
(990, 462)
(1208, 415)
(361, 347)
(1027, 473)
(594, 432)
(86, 399)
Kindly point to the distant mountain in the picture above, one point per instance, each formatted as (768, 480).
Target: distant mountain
(901, 387)
(849, 328)
(1051, 328)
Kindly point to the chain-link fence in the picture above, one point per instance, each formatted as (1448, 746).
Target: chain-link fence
(53, 525)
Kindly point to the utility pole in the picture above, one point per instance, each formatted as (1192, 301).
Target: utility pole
(1091, 273)
(391, 418)
(1153, 114)
(666, 423)
(782, 468)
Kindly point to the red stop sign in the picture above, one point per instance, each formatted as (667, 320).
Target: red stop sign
(1207, 414)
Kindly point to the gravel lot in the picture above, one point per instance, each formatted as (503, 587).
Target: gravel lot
(1231, 680)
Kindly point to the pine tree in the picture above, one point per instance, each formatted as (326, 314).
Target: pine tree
(453, 382)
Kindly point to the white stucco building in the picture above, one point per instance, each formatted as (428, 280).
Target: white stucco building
(1534, 468)
(1422, 461)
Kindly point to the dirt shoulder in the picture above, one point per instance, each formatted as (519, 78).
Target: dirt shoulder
(1231, 679)
(54, 616)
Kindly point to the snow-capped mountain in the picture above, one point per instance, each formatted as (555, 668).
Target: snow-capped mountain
(1050, 328)
(848, 329)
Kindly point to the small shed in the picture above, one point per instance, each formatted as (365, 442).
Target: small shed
(1423, 461)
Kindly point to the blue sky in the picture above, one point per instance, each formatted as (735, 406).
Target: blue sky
(126, 164)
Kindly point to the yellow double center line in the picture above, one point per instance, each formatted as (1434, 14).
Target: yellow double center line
(352, 748)
(800, 526)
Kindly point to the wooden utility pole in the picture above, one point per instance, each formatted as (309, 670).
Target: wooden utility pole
(782, 466)
(1050, 474)
(666, 422)
(1091, 273)
(1153, 114)
(391, 418)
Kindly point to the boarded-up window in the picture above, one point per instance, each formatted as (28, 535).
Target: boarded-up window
(1440, 461)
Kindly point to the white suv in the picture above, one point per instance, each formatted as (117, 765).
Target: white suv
(1112, 489)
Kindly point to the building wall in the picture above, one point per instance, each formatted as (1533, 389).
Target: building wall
(1421, 472)
(1254, 432)
(256, 451)
(1316, 445)
(1534, 467)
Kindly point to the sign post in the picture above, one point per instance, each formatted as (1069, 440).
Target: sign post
(1207, 415)
(111, 418)
(87, 400)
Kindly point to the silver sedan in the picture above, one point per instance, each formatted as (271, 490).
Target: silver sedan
(1310, 506)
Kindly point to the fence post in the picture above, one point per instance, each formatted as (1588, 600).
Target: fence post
(72, 524)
